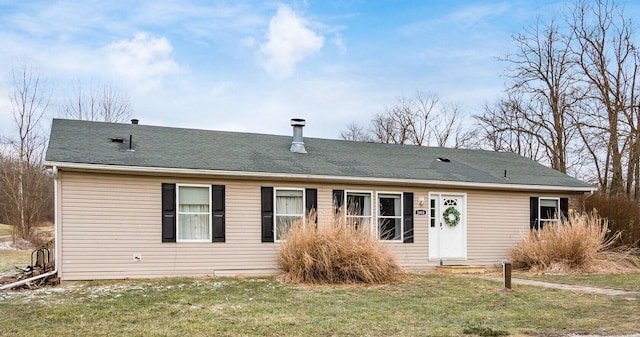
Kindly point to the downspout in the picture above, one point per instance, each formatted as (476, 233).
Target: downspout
(55, 239)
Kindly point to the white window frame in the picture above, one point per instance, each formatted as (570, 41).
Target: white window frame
(558, 211)
(371, 217)
(275, 208)
(378, 216)
(178, 186)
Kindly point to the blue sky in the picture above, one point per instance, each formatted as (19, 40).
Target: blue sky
(253, 65)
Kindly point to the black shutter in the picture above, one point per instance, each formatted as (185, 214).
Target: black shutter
(564, 208)
(217, 210)
(338, 199)
(533, 213)
(267, 214)
(311, 200)
(408, 217)
(168, 212)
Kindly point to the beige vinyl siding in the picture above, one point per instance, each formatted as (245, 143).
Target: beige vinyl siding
(104, 219)
(495, 221)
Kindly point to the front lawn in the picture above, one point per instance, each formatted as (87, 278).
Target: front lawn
(419, 305)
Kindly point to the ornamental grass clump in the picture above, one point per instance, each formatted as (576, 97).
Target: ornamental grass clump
(335, 252)
(577, 244)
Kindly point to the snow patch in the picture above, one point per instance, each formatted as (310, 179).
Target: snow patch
(6, 246)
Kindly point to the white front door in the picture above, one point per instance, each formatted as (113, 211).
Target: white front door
(448, 226)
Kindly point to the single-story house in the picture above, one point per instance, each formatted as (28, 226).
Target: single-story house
(141, 201)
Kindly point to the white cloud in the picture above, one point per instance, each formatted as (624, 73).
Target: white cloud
(289, 41)
(142, 61)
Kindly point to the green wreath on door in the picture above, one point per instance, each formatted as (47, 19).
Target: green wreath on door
(451, 216)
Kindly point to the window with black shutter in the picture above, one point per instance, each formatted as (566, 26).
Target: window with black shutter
(545, 210)
(282, 207)
(193, 213)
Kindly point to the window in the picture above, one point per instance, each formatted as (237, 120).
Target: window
(194, 213)
(392, 220)
(549, 210)
(390, 216)
(199, 209)
(359, 209)
(289, 208)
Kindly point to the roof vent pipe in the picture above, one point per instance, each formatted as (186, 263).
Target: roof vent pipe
(134, 121)
(297, 145)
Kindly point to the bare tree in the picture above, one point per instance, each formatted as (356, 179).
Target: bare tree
(542, 91)
(608, 60)
(418, 120)
(449, 131)
(98, 103)
(24, 182)
(503, 130)
(357, 133)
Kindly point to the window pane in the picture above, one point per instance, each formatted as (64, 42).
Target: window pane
(549, 202)
(193, 226)
(193, 213)
(390, 229)
(548, 213)
(548, 209)
(283, 225)
(193, 199)
(359, 204)
(389, 205)
(289, 202)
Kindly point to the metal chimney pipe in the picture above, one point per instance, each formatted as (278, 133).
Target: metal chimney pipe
(297, 145)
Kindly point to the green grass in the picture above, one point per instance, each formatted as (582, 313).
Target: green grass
(630, 282)
(419, 305)
(11, 258)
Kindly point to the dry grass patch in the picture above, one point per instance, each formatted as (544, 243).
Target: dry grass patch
(335, 252)
(577, 244)
(5, 230)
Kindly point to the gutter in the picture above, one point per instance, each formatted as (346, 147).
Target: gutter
(143, 170)
(55, 240)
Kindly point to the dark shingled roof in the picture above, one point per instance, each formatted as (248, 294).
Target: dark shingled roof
(86, 142)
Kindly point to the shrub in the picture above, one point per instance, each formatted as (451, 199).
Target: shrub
(622, 212)
(335, 252)
(572, 245)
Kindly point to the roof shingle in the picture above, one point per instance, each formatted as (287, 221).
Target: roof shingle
(85, 142)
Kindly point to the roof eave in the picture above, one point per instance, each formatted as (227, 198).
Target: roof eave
(144, 170)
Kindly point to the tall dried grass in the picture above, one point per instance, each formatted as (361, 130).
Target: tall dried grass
(577, 244)
(335, 252)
